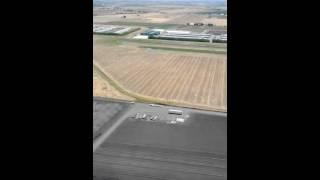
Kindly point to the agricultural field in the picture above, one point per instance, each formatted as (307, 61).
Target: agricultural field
(160, 90)
(160, 14)
(102, 88)
(181, 78)
(190, 74)
(185, 18)
(160, 18)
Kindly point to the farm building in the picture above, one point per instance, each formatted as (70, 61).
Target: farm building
(182, 35)
(198, 24)
(150, 33)
(112, 30)
(177, 32)
(191, 36)
(219, 38)
(141, 37)
(195, 24)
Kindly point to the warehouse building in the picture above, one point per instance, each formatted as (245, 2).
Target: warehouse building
(181, 35)
(150, 33)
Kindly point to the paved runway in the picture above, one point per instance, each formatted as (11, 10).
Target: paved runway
(145, 149)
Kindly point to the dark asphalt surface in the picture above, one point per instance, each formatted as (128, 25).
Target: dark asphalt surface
(106, 113)
(140, 149)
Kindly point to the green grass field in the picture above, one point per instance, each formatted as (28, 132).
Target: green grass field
(184, 50)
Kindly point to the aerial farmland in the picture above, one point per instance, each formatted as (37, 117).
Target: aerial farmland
(189, 79)
(160, 90)
(189, 74)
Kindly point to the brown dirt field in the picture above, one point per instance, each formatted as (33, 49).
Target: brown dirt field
(215, 21)
(175, 15)
(190, 79)
(102, 88)
(185, 18)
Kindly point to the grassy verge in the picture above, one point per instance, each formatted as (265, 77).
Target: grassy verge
(110, 40)
(178, 43)
(185, 50)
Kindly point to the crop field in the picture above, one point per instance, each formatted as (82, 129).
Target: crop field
(158, 15)
(102, 88)
(190, 79)
(185, 18)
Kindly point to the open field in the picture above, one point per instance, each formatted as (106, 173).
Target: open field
(159, 14)
(103, 88)
(185, 18)
(140, 23)
(182, 78)
(184, 73)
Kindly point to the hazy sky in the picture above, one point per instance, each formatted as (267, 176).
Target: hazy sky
(209, 1)
(172, 0)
